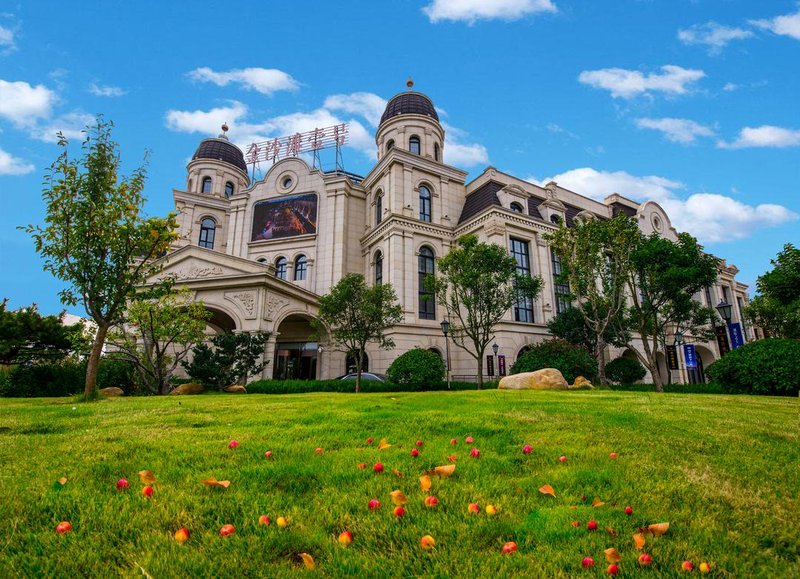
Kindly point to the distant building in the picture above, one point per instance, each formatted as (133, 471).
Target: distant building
(260, 254)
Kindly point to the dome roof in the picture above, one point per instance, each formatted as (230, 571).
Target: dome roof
(409, 103)
(220, 149)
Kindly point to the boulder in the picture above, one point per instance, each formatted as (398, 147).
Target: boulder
(189, 388)
(112, 391)
(545, 379)
(235, 389)
(581, 382)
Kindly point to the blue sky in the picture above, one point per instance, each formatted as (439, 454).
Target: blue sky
(693, 103)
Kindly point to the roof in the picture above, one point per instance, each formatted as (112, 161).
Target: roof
(221, 150)
(483, 197)
(409, 103)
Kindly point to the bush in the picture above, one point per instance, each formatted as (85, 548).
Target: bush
(417, 369)
(64, 378)
(345, 386)
(625, 371)
(762, 367)
(700, 388)
(571, 360)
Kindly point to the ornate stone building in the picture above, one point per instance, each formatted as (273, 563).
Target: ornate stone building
(259, 254)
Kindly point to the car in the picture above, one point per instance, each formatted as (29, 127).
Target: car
(365, 376)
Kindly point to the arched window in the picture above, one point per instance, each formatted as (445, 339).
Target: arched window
(280, 268)
(556, 219)
(516, 207)
(206, 185)
(379, 208)
(389, 145)
(427, 303)
(424, 204)
(436, 152)
(414, 145)
(228, 189)
(300, 268)
(378, 268)
(207, 229)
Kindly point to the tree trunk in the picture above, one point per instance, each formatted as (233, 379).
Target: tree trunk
(359, 362)
(90, 389)
(480, 371)
(600, 354)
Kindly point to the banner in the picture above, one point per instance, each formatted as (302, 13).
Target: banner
(672, 357)
(489, 365)
(722, 340)
(737, 340)
(690, 356)
(501, 364)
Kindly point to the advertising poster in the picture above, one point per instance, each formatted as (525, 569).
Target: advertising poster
(690, 356)
(285, 217)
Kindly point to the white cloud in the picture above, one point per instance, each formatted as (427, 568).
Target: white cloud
(630, 83)
(463, 155)
(709, 217)
(786, 25)
(7, 43)
(11, 165)
(764, 136)
(208, 122)
(713, 35)
(682, 131)
(105, 91)
(366, 104)
(263, 80)
(23, 104)
(71, 125)
(472, 10)
(730, 87)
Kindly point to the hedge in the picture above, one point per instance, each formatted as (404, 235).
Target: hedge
(770, 367)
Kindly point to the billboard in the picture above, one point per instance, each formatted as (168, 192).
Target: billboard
(284, 217)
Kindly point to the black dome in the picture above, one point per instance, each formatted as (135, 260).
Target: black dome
(409, 103)
(221, 150)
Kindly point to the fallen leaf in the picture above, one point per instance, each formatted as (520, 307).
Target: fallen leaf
(574, 508)
(612, 531)
(576, 523)
(147, 477)
(445, 471)
(612, 555)
(397, 473)
(398, 497)
(212, 482)
(452, 458)
(658, 529)
(547, 490)
(62, 481)
(425, 482)
(638, 540)
(597, 502)
(383, 445)
(308, 560)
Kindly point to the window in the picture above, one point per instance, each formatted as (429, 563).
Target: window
(556, 219)
(287, 182)
(228, 189)
(516, 207)
(436, 152)
(523, 309)
(207, 229)
(300, 268)
(389, 145)
(424, 204)
(726, 297)
(560, 285)
(262, 260)
(709, 302)
(206, 185)
(280, 268)
(378, 208)
(378, 268)
(414, 145)
(427, 303)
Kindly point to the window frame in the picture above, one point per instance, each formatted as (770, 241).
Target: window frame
(379, 208)
(425, 202)
(207, 234)
(210, 182)
(561, 291)
(229, 186)
(378, 265)
(412, 141)
(520, 250)
(516, 207)
(281, 268)
(426, 301)
(300, 268)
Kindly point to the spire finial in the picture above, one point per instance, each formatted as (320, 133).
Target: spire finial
(410, 83)
(224, 135)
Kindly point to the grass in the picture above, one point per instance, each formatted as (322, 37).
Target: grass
(722, 470)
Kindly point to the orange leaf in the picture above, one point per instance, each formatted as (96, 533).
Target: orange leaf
(612, 555)
(612, 531)
(445, 471)
(638, 540)
(576, 523)
(62, 481)
(658, 529)
(425, 482)
(547, 490)
(383, 445)
(398, 497)
(397, 473)
(147, 477)
(308, 560)
(452, 458)
(212, 482)
(597, 502)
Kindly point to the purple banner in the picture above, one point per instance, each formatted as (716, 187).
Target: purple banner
(690, 356)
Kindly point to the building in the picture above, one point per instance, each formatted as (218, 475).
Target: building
(259, 254)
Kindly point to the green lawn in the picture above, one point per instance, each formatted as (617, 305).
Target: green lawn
(722, 470)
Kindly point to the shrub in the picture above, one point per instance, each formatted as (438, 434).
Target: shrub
(625, 371)
(561, 355)
(700, 388)
(345, 386)
(762, 367)
(417, 369)
(230, 358)
(63, 378)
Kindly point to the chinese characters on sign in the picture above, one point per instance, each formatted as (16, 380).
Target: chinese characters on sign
(690, 356)
(737, 340)
(293, 145)
(672, 357)
(722, 340)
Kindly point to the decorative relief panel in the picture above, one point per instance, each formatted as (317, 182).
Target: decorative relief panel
(194, 272)
(274, 303)
(245, 300)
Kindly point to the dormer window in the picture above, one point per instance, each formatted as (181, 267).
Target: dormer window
(228, 189)
(207, 184)
(414, 145)
(516, 207)
(556, 219)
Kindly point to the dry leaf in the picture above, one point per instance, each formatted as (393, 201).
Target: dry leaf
(425, 482)
(638, 540)
(147, 477)
(398, 497)
(576, 523)
(597, 502)
(547, 490)
(445, 471)
(383, 445)
(612, 555)
(62, 481)
(308, 560)
(452, 458)
(612, 531)
(397, 473)
(574, 508)
(658, 529)
(212, 482)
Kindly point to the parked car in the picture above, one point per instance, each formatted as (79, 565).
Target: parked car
(365, 376)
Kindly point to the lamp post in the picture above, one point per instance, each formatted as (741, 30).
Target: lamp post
(724, 309)
(677, 343)
(446, 330)
(495, 347)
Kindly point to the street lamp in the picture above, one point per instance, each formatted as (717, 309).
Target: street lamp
(678, 338)
(495, 347)
(446, 330)
(724, 309)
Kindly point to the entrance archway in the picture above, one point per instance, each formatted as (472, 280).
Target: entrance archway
(704, 358)
(296, 355)
(220, 321)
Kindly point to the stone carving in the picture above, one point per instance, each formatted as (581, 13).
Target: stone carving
(274, 304)
(247, 301)
(195, 272)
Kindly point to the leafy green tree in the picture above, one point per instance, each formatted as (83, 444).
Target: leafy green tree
(777, 307)
(596, 255)
(663, 278)
(477, 284)
(354, 315)
(570, 325)
(157, 335)
(28, 336)
(230, 359)
(95, 238)
(572, 361)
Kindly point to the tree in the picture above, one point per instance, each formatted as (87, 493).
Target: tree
(595, 254)
(232, 359)
(28, 336)
(355, 315)
(777, 307)
(570, 325)
(477, 284)
(664, 277)
(95, 238)
(157, 335)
